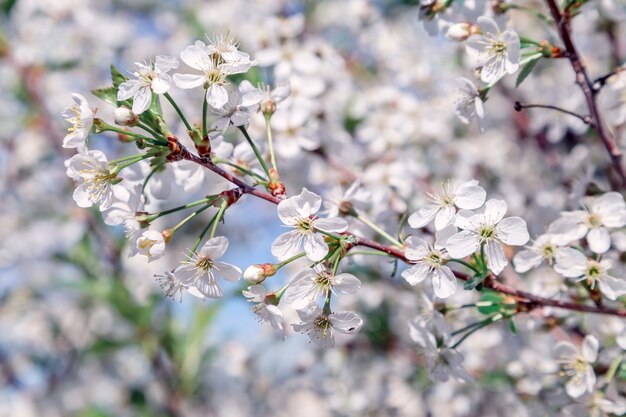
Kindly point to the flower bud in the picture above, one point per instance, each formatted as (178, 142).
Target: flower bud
(124, 116)
(257, 273)
(459, 32)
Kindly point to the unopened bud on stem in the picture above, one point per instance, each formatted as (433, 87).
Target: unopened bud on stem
(257, 273)
(124, 116)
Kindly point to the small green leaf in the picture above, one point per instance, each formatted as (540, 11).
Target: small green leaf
(526, 70)
(490, 303)
(108, 94)
(512, 326)
(117, 77)
(475, 283)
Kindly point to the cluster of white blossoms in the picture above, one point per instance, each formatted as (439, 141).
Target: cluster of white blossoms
(560, 246)
(464, 236)
(476, 226)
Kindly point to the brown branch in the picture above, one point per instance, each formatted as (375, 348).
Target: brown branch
(586, 85)
(529, 301)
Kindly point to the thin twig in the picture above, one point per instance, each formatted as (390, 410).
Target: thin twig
(586, 85)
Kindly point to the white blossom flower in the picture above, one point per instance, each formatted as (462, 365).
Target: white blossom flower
(488, 228)
(300, 212)
(429, 261)
(576, 365)
(151, 244)
(200, 270)
(441, 362)
(80, 115)
(272, 97)
(321, 327)
(342, 203)
(497, 53)
(150, 77)
(95, 179)
(543, 248)
(125, 203)
(470, 105)
(241, 103)
(264, 308)
(468, 195)
(572, 263)
(170, 283)
(599, 214)
(214, 61)
(309, 285)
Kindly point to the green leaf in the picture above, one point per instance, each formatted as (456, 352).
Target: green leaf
(474, 283)
(490, 297)
(108, 94)
(526, 70)
(117, 77)
(512, 326)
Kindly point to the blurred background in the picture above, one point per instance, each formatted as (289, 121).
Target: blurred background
(86, 331)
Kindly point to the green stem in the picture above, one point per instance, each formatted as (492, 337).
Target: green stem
(466, 264)
(149, 130)
(327, 234)
(188, 218)
(178, 110)
(240, 168)
(218, 217)
(154, 171)
(207, 200)
(109, 128)
(256, 151)
(268, 128)
(202, 234)
(120, 166)
(205, 107)
(380, 231)
(475, 327)
(293, 258)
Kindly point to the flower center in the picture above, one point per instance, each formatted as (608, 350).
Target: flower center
(486, 233)
(498, 47)
(593, 220)
(214, 76)
(322, 322)
(305, 225)
(434, 258)
(204, 264)
(76, 121)
(323, 279)
(548, 252)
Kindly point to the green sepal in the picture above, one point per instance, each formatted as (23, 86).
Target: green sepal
(108, 94)
(526, 70)
(117, 77)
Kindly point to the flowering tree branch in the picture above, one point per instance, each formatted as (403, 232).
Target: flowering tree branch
(527, 300)
(587, 86)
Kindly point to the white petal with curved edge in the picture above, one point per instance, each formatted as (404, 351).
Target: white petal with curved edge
(590, 348)
(462, 244)
(188, 81)
(331, 224)
(512, 231)
(469, 195)
(444, 217)
(287, 245)
(315, 247)
(141, 100)
(496, 261)
(214, 248)
(227, 271)
(346, 322)
(444, 282)
(416, 274)
(599, 240)
(423, 216)
(526, 260)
